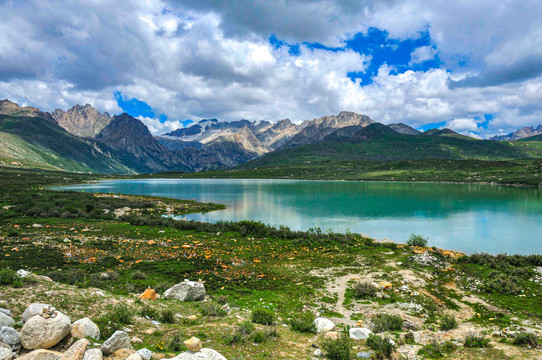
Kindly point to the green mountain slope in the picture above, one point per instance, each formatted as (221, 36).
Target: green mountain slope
(42, 143)
(378, 142)
(532, 138)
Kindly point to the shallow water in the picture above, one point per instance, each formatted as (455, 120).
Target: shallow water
(463, 217)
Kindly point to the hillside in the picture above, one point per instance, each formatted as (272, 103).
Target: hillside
(378, 142)
(42, 143)
(532, 138)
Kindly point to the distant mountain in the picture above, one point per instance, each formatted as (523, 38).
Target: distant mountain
(519, 134)
(138, 148)
(83, 121)
(316, 130)
(378, 142)
(10, 108)
(404, 129)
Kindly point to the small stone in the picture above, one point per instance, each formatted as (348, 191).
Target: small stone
(186, 291)
(121, 354)
(41, 354)
(203, 354)
(134, 356)
(145, 354)
(192, 317)
(150, 331)
(364, 355)
(193, 344)
(6, 320)
(119, 340)
(37, 226)
(317, 353)
(136, 340)
(10, 336)
(93, 354)
(359, 333)
(5, 353)
(76, 351)
(148, 294)
(6, 311)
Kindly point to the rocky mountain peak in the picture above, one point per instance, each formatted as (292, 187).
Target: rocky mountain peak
(10, 108)
(83, 121)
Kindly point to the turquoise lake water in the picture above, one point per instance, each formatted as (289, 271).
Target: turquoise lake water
(469, 218)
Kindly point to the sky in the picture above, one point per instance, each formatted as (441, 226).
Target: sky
(474, 66)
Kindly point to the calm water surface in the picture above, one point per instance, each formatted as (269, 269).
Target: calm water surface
(469, 218)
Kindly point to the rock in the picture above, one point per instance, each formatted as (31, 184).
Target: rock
(192, 317)
(121, 354)
(33, 310)
(119, 340)
(42, 333)
(5, 353)
(331, 335)
(193, 344)
(93, 354)
(136, 340)
(148, 294)
(203, 354)
(6, 320)
(6, 311)
(323, 324)
(364, 355)
(145, 353)
(359, 333)
(134, 356)
(385, 285)
(41, 354)
(414, 336)
(186, 291)
(391, 342)
(317, 352)
(23, 273)
(85, 327)
(37, 226)
(76, 351)
(10, 336)
(408, 325)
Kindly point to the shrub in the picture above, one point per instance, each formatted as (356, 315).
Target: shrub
(72, 277)
(436, 350)
(263, 316)
(261, 336)
(387, 322)
(167, 316)
(417, 240)
(383, 348)
(212, 309)
(503, 284)
(338, 349)
(303, 322)
(475, 341)
(526, 339)
(10, 277)
(147, 311)
(242, 334)
(121, 314)
(448, 322)
(176, 343)
(363, 290)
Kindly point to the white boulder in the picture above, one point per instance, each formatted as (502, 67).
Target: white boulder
(145, 354)
(34, 309)
(85, 327)
(10, 336)
(186, 291)
(119, 340)
(359, 333)
(6, 320)
(203, 354)
(323, 325)
(93, 354)
(44, 332)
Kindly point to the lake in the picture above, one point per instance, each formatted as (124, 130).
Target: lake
(464, 217)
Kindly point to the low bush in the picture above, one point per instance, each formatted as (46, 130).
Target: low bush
(242, 334)
(139, 275)
(167, 316)
(338, 349)
(448, 322)
(436, 350)
(10, 277)
(261, 336)
(503, 284)
(303, 322)
(475, 341)
(263, 316)
(212, 309)
(122, 314)
(526, 339)
(387, 322)
(383, 348)
(363, 290)
(176, 344)
(417, 240)
(147, 311)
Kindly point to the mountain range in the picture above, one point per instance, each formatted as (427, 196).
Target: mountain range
(85, 140)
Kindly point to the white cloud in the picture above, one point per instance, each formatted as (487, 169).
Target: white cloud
(461, 125)
(201, 59)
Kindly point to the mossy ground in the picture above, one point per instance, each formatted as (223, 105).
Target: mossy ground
(248, 271)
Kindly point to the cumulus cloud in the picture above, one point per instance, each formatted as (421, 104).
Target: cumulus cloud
(209, 58)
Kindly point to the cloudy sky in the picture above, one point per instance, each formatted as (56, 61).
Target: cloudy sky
(471, 65)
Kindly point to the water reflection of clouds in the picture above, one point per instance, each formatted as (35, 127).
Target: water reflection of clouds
(464, 217)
